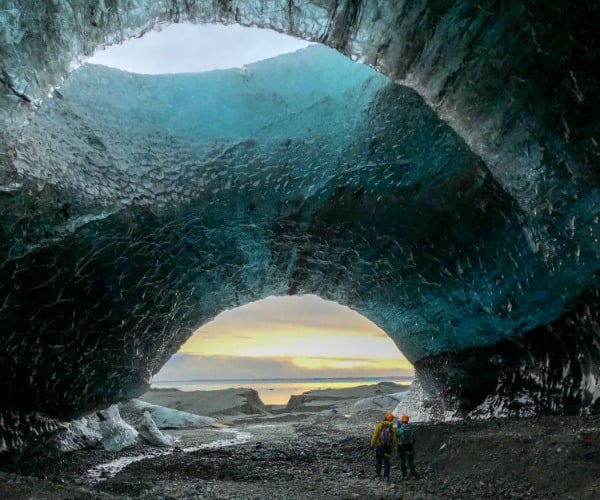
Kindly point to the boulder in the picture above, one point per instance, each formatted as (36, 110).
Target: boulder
(334, 399)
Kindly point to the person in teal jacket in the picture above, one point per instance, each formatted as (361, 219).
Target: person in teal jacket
(406, 446)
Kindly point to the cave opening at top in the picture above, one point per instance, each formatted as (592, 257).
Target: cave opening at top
(195, 48)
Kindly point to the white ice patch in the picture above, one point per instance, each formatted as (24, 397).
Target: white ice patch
(104, 429)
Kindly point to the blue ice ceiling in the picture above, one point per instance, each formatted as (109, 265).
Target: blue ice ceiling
(303, 162)
(459, 214)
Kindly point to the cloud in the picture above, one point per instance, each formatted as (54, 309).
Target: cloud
(188, 366)
(297, 312)
(355, 364)
(280, 327)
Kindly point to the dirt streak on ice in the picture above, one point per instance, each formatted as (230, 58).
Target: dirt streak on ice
(110, 469)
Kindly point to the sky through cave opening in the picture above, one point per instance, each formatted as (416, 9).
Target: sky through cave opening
(192, 48)
(286, 345)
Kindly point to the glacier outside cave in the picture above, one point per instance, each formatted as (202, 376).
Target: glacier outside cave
(460, 214)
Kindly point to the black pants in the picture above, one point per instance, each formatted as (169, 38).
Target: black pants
(382, 457)
(406, 453)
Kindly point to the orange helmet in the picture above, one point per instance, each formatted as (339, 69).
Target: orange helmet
(389, 416)
(404, 419)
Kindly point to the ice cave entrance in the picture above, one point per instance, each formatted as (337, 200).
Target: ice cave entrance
(283, 346)
(279, 346)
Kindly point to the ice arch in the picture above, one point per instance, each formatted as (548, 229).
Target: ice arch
(109, 259)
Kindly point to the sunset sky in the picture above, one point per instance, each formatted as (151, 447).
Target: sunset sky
(287, 337)
(279, 337)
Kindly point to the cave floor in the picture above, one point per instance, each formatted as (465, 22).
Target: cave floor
(327, 456)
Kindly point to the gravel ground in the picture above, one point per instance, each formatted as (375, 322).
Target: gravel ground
(327, 456)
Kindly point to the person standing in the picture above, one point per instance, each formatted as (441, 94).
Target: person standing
(406, 446)
(383, 441)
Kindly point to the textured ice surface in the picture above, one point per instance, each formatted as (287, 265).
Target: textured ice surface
(157, 139)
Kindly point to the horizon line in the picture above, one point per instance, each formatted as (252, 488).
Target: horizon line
(301, 379)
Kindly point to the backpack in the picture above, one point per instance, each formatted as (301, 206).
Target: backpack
(407, 434)
(385, 435)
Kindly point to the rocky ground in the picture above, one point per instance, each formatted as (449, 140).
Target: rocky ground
(326, 455)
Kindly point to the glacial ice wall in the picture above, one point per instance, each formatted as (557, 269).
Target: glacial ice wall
(324, 180)
(136, 208)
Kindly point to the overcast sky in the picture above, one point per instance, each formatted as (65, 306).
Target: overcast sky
(188, 48)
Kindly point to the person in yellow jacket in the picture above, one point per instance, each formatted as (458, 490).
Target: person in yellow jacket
(383, 441)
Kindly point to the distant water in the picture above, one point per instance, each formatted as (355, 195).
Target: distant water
(277, 391)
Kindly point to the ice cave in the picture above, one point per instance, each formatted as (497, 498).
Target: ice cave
(451, 196)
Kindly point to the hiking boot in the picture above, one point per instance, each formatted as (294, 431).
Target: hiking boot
(377, 476)
(387, 479)
(414, 475)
